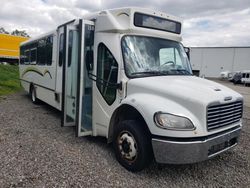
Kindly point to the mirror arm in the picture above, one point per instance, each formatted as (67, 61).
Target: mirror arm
(119, 86)
(187, 50)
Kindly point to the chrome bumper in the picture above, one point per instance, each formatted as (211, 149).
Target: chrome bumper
(192, 150)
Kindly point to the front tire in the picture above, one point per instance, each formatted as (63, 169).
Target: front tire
(132, 144)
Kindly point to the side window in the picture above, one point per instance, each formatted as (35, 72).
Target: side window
(49, 50)
(61, 38)
(166, 55)
(169, 55)
(27, 57)
(22, 55)
(41, 52)
(107, 72)
(44, 51)
(177, 57)
(33, 56)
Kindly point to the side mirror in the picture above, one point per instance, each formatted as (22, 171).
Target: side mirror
(89, 60)
(187, 50)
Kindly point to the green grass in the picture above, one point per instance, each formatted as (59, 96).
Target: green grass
(9, 79)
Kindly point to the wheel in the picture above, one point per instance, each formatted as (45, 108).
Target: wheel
(132, 145)
(33, 95)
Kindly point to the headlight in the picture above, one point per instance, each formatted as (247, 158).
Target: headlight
(170, 121)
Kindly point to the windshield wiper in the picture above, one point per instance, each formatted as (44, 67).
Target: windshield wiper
(159, 73)
(146, 73)
(181, 70)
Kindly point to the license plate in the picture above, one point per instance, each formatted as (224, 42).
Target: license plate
(218, 147)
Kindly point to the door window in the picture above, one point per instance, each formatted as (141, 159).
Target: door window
(61, 44)
(107, 71)
(71, 75)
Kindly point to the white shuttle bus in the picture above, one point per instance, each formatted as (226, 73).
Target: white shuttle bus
(124, 74)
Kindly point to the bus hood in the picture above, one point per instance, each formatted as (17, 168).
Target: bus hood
(183, 88)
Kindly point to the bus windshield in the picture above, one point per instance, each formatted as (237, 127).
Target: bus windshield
(148, 56)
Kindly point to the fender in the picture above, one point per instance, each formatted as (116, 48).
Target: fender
(148, 104)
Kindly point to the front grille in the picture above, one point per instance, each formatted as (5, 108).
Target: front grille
(222, 115)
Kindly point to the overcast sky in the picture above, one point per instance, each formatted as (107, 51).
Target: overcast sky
(206, 22)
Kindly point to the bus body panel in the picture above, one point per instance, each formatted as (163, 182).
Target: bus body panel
(121, 59)
(43, 77)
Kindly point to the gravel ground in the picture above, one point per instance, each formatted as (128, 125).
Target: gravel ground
(36, 152)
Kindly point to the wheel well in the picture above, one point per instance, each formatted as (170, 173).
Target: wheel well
(124, 112)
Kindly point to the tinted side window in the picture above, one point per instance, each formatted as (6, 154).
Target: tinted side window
(49, 50)
(107, 72)
(44, 51)
(33, 55)
(22, 55)
(169, 55)
(41, 52)
(27, 56)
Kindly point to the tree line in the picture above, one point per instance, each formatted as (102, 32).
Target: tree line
(15, 32)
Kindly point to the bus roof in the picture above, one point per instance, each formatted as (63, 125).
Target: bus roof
(123, 20)
(38, 37)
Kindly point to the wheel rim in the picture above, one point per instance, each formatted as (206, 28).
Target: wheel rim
(127, 146)
(33, 97)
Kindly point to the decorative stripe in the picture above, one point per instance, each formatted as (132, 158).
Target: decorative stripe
(33, 69)
(46, 71)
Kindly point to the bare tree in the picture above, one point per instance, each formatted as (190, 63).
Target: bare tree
(15, 32)
(2, 30)
(20, 33)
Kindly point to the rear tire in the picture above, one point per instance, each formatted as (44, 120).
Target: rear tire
(33, 95)
(132, 145)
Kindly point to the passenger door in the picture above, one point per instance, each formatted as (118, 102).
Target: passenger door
(69, 73)
(85, 89)
(60, 59)
(73, 78)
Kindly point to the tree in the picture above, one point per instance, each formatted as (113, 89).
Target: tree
(20, 33)
(16, 32)
(2, 30)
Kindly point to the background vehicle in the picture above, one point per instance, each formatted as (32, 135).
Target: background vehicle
(245, 77)
(124, 74)
(236, 77)
(225, 75)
